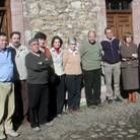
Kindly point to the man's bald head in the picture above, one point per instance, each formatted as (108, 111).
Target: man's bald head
(91, 36)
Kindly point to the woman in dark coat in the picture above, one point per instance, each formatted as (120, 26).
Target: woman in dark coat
(129, 66)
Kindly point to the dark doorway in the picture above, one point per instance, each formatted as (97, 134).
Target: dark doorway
(5, 16)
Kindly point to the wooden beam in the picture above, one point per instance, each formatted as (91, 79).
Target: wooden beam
(3, 8)
(8, 14)
(2, 19)
(119, 11)
(6, 18)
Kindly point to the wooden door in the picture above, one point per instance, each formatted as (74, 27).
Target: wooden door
(5, 16)
(120, 22)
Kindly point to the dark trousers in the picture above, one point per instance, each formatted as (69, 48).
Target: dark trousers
(60, 93)
(25, 102)
(52, 107)
(57, 95)
(139, 80)
(92, 86)
(73, 83)
(38, 103)
(21, 101)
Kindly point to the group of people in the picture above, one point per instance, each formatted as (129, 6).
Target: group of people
(34, 80)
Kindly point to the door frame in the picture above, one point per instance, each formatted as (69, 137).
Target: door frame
(6, 17)
(120, 12)
(117, 13)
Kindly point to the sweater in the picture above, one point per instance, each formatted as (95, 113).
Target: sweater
(90, 55)
(37, 68)
(111, 51)
(71, 62)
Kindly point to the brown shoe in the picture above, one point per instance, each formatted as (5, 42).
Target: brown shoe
(71, 111)
(77, 110)
(130, 98)
(134, 97)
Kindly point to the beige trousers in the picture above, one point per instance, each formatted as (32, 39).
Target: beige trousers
(115, 71)
(7, 105)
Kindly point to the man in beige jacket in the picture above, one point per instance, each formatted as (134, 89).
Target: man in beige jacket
(19, 53)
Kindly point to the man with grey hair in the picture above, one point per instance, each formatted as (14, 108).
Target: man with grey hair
(37, 81)
(91, 64)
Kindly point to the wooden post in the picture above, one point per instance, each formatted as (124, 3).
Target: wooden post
(6, 18)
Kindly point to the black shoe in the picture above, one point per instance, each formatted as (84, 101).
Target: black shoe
(118, 99)
(110, 101)
(100, 105)
(92, 106)
(97, 102)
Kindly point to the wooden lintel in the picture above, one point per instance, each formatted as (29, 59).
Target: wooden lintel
(3, 8)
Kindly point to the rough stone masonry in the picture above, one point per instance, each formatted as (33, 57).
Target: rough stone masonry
(64, 17)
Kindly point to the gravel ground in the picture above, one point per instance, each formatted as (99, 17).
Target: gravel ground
(116, 121)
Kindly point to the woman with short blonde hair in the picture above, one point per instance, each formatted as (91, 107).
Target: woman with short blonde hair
(72, 68)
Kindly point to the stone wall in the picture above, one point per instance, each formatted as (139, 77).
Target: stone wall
(63, 17)
(17, 17)
(136, 20)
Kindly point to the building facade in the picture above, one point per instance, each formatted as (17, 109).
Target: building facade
(73, 17)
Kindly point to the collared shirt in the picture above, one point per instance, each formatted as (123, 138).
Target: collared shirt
(6, 66)
(73, 52)
(19, 54)
(57, 61)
